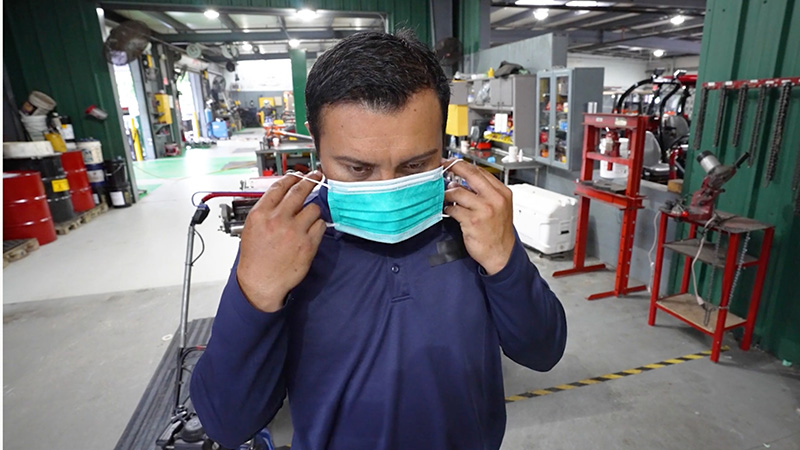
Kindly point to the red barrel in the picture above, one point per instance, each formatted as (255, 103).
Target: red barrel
(25, 211)
(79, 188)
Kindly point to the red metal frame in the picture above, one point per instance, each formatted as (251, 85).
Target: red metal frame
(629, 202)
(736, 84)
(731, 263)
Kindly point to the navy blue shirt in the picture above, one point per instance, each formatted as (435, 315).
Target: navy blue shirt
(380, 347)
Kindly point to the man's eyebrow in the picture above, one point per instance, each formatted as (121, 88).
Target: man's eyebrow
(354, 161)
(422, 157)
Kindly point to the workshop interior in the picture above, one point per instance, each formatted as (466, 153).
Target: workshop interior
(652, 148)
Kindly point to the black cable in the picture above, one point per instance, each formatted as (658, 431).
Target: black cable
(202, 242)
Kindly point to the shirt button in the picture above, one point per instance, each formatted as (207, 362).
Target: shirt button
(395, 268)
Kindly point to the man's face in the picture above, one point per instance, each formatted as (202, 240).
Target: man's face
(358, 144)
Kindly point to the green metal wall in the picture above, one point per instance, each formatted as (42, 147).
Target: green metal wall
(468, 23)
(56, 47)
(744, 40)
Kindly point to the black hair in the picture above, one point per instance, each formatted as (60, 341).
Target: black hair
(379, 70)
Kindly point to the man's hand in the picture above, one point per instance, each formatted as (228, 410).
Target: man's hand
(279, 242)
(485, 214)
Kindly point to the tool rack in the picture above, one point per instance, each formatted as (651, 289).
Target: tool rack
(684, 305)
(628, 201)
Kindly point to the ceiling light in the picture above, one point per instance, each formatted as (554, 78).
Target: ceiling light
(306, 14)
(100, 11)
(581, 12)
(247, 46)
(541, 14)
(294, 43)
(635, 49)
(677, 20)
(211, 14)
(658, 53)
(536, 2)
(581, 4)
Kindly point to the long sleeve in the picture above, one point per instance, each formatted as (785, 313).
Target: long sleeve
(529, 318)
(238, 384)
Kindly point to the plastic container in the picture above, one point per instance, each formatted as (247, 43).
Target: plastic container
(27, 149)
(26, 214)
(38, 104)
(544, 220)
(120, 195)
(79, 188)
(616, 171)
(54, 180)
(36, 126)
(92, 151)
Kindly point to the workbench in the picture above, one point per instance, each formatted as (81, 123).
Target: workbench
(281, 152)
(505, 168)
(683, 305)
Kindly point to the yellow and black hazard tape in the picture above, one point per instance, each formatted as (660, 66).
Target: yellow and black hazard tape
(610, 376)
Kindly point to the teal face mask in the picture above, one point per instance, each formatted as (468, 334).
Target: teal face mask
(388, 211)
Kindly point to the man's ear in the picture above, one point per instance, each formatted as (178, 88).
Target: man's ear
(319, 164)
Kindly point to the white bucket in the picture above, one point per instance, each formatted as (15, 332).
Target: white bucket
(38, 104)
(617, 171)
(92, 152)
(36, 126)
(27, 149)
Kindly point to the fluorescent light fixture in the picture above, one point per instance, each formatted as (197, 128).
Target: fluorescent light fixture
(306, 14)
(677, 20)
(581, 12)
(581, 4)
(658, 53)
(100, 11)
(541, 13)
(536, 2)
(211, 14)
(635, 49)
(247, 46)
(294, 43)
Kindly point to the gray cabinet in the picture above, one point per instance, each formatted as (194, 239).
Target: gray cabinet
(562, 96)
(512, 96)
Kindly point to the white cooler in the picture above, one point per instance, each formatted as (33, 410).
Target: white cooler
(544, 219)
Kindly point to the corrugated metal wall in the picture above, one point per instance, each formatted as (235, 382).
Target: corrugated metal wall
(743, 40)
(56, 47)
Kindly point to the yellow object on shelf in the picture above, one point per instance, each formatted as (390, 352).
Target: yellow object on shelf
(457, 123)
(490, 73)
(56, 141)
(163, 111)
(497, 137)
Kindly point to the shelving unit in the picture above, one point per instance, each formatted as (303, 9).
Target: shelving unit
(512, 96)
(683, 305)
(562, 97)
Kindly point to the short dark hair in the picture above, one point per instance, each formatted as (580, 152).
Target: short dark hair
(379, 70)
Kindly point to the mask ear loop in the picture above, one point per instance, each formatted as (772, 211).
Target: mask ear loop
(445, 170)
(319, 183)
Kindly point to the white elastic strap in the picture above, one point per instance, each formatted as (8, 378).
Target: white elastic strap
(445, 170)
(298, 175)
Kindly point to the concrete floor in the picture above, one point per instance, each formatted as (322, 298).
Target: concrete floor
(87, 318)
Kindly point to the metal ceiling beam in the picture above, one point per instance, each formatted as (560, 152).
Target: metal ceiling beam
(589, 21)
(627, 9)
(525, 13)
(505, 36)
(137, 6)
(624, 22)
(259, 57)
(170, 21)
(229, 23)
(586, 40)
(259, 36)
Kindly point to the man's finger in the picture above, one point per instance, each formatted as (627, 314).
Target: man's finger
(463, 197)
(294, 199)
(477, 182)
(316, 231)
(457, 212)
(277, 191)
(308, 216)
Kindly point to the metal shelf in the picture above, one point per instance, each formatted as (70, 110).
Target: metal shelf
(689, 248)
(685, 308)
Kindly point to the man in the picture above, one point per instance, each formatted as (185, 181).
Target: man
(385, 328)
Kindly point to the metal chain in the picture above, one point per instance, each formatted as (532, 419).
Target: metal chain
(762, 97)
(737, 124)
(741, 261)
(701, 118)
(777, 134)
(723, 99)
